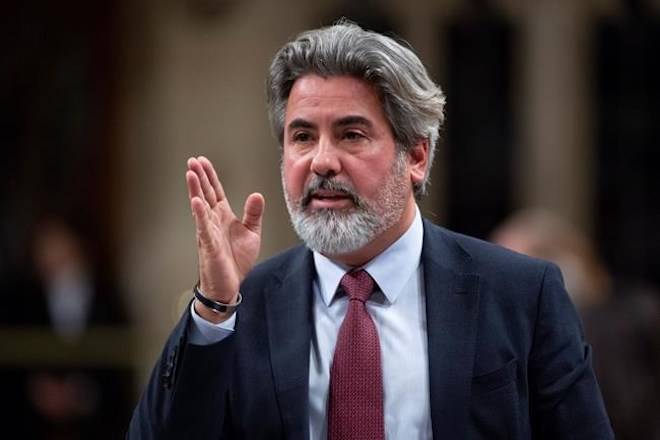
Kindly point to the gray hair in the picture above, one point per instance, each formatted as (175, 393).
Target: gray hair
(412, 102)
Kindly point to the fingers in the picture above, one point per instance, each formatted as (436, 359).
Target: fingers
(207, 189)
(202, 221)
(213, 177)
(253, 212)
(194, 188)
(199, 206)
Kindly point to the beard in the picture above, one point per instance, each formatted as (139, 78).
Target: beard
(342, 231)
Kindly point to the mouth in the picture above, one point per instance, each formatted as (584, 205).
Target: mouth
(329, 199)
(328, 193)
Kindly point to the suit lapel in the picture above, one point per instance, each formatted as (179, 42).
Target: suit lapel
(452, 303)
(288, 308)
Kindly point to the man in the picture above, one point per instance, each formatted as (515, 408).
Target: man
(383, 325)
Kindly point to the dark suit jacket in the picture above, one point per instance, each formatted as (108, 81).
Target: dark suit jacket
(506, 355)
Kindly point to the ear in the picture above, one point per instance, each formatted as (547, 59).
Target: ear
(418, 159)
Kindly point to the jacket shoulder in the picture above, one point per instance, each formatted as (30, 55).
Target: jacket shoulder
(498, 265)
(478, 249)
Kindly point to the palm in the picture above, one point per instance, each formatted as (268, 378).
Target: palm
(227, 247)
(233, 252)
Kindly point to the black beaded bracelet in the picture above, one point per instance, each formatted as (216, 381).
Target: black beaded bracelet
(215, 306)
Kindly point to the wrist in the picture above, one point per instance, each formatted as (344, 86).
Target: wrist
(211, 291)
(212, 310)
(211, 316)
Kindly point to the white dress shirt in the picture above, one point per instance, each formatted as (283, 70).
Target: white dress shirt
(398, 311)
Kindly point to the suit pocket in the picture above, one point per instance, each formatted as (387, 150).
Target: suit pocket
(494, 406)
(495, 379)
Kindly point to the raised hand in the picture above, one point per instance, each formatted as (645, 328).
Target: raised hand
(227, 247)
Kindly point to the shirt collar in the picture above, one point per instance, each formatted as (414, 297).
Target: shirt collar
(391, 269)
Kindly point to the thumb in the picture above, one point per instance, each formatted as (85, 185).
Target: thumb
(253, 212)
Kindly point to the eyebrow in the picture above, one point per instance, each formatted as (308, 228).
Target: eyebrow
(341, 122)
(353, 120)
(300, 123)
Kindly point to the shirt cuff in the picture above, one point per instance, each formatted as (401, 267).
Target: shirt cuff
(203, 332)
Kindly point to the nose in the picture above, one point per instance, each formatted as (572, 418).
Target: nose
(326, 161)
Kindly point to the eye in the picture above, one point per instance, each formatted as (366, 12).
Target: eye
(302, 136)
(353, 135)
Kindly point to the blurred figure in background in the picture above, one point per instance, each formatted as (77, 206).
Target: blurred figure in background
(74, 294)
(68, 295)
(621, 322)
(542, 234)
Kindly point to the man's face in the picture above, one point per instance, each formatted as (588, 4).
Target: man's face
(346, 185)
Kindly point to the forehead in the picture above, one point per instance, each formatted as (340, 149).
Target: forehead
(313, 97)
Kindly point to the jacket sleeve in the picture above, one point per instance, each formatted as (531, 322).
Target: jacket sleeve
(188, 392)
(565, 398)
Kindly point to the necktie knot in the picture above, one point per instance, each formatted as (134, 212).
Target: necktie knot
(358, 285)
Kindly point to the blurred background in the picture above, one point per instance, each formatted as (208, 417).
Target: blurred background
(551, 147)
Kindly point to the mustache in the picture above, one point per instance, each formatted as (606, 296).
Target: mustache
(329, 184)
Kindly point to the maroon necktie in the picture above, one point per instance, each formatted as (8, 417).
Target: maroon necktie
(356, 382)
